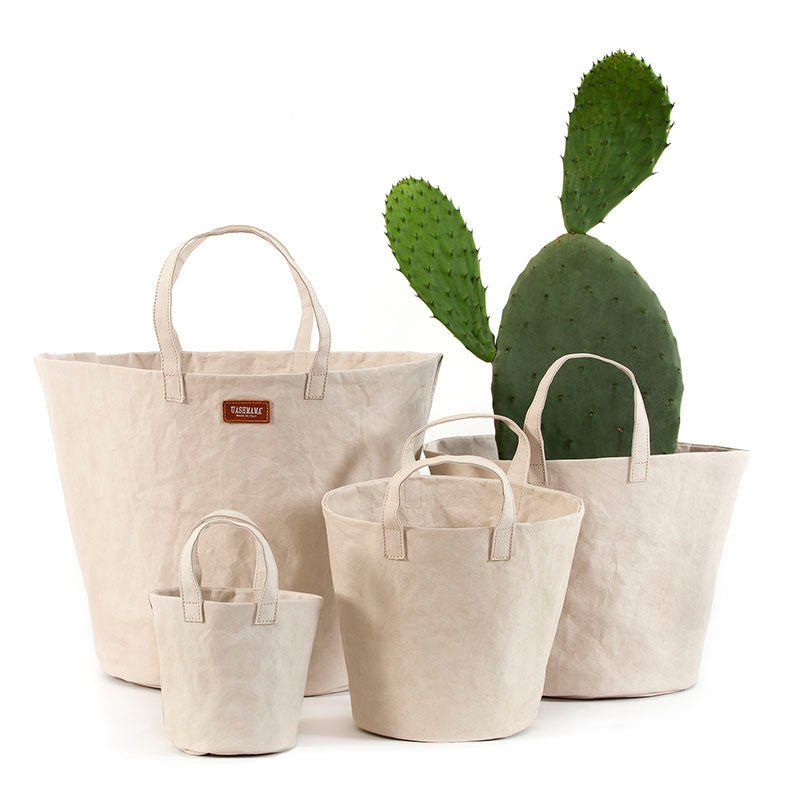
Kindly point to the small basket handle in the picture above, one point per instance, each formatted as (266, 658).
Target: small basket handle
(394, 530)
(266, 577)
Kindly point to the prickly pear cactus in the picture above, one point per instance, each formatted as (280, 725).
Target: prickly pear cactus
(577, 295)
(618, 129)
(436, 252)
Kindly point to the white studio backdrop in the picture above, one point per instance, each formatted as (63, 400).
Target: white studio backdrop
(130, 127)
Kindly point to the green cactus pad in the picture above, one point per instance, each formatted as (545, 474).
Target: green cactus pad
(618, 129)
(577, 295)
(436, 252)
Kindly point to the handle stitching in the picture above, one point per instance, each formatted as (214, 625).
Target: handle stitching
(402, 557)
(508, 555)
(181, 395)
(199, 604)
(260, 607)
(324, 376)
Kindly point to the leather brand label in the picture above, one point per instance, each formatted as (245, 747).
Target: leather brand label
(246, 411)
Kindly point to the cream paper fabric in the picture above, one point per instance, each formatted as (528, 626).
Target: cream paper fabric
(142, 448)
(449, 590)
(233, 661)
(643, 578)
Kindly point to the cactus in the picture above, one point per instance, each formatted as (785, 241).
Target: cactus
(436, 252)
(617, 130)
(577, 294)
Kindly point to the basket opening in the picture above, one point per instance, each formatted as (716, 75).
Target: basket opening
(450, 502)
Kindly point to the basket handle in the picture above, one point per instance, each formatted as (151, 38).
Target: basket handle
(394, 530)
(170, 346)
(303, 337)
(640, 437)
(266, 579)
(260, 571)
(518, 469)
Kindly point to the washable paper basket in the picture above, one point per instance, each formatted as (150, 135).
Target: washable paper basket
(449, 591)
(643, 578)
(145, 439)
(233, 661)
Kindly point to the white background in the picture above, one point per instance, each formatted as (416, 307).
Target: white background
(129, 127)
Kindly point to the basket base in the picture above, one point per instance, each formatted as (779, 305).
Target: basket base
(406, 738)
(649, 694)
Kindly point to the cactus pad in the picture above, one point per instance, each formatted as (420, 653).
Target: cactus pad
(578, 295)
(436, 252)
(618, 129)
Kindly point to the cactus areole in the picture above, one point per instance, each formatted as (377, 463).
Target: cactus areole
(577, 294)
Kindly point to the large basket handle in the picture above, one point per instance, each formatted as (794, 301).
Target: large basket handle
(394, 530)
(266, 579)
(303, 337)
(518, 469)
(640, 436)
(170, 346)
